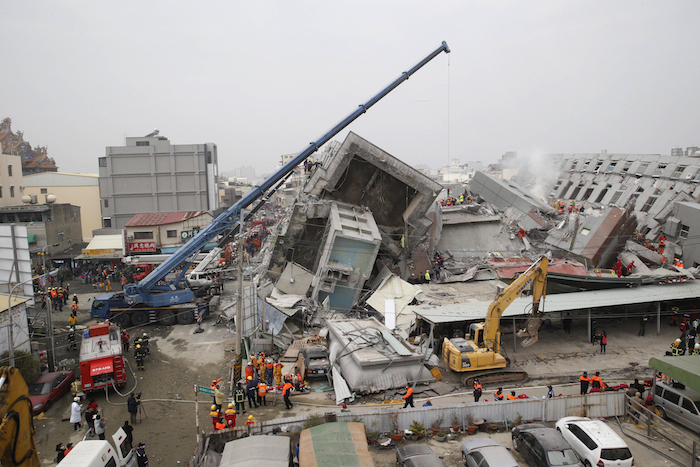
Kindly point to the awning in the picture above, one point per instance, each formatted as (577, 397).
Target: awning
(684, 369)
(101, 366)
(335, 444)
(104, 247)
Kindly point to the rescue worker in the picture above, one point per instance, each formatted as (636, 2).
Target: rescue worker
(286, 392)
(597, 381)
(125, 340)
(144, 343)
(692, 335)
(477, 389)
(75, 298)
(230, 416)
(73, 320)
(141, 456)
(74, 307)
(408, 397)
(674, 316)
(511, 396)
(250, 421)
(139, 355)
(498, 394)
(214, 414)
(427, 276)
(676, 348)
(218, 397)
(585, 381)
(108, 285)
(550, 391)
(262, 394)
(697, 349)
(269, 369)
(71, 339)
(261, 366)
(251, 389)
(249, 370)
(662, 244)
(277, 373)
(239, 397)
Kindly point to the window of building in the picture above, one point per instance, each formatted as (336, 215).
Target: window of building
(143, 235)
(44, 191)
(642, 168)
(172, 233)
(659, 170)
(9, 171)
(616, 197)
(106, 203)
(679, 170)
(597, 166)
(106, 222)
(649, 203)
(585, 166)
(142, 143)
(12, 192)
(102, 162)
(611, 166)
(627, 166)
(685, 231)
(208, 157)
(0, 192)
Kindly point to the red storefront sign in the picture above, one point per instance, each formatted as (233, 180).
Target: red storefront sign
(142, 247)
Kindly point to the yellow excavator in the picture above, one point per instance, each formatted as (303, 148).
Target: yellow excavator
(480, 355)
(17, 447)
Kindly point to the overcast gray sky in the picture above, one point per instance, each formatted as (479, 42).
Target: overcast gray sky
(264, 78)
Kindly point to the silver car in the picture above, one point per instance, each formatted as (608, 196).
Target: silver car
(485, 452)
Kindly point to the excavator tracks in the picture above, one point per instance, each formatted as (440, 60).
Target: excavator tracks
(495, 377)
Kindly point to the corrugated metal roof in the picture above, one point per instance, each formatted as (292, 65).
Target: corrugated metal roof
(468, 311)
(47, 179)
(15, 301)
(393, 289)
(162, 218)
(106, 242)
(685, 369)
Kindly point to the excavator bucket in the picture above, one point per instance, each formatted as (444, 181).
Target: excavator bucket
(531, 331)
(17, 445)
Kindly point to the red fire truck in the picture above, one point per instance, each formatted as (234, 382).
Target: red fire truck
(101, 359)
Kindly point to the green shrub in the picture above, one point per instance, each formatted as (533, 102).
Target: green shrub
(28, 366)
(314, 420)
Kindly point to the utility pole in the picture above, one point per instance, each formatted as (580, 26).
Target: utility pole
(239, 306)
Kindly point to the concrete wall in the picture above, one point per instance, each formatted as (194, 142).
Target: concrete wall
(689, 216)
(10, 192)
(77, 189)
(160, 232)
(159, 177)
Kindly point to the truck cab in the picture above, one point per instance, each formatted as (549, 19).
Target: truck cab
(99, 453)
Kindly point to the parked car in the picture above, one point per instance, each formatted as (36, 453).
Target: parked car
(316, 361)
(542, 446)
(595, 442)
(48, 389)
(679, 404)
(417, 455)
(485, 452)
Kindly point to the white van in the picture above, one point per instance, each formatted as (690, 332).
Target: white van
(99, 453)
(679, 404)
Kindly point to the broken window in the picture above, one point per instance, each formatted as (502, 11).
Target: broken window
(597, 166)
(677, 173)
(611, 166)
(642, 168)
(627, 166)
(585, 165)
(685, 231)
(649, 203)
(659, 170)
(616, 197)
(588, 193)
(576, 191)
(566, 189)
(603, 193)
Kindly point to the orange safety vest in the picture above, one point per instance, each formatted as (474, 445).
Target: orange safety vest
(286, 388)
(220, 426)
(270, 366)
(477, 386)
(409, 393)
(230, 416)
(510, 397)
(584, 378)
(599, 380)
(262, 389)
(498, 395)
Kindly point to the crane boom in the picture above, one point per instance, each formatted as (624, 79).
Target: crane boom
(146, 291)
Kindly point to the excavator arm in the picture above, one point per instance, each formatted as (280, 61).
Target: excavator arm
(536, 275)
(17, 446)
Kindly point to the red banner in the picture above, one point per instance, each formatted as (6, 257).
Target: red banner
(142, 247)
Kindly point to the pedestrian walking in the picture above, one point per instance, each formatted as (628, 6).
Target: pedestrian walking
(99, 426)
(239, 398)
(286, 392)
(566, 324)
(75, 414)
(408, 397)
(141, 456)
(477, 390)
(129, 431)
(90, 420)
(603, 342)
(585, 381)
(642, 325)
(132, 406)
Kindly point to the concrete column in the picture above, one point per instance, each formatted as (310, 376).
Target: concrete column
(658, 318)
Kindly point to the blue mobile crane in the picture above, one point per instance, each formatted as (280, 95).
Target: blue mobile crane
(150, 292)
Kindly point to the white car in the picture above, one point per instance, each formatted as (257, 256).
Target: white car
(595, 443)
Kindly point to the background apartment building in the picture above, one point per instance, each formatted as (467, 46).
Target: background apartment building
(10, 180)
(150, 175)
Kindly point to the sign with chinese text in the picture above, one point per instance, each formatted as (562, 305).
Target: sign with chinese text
(142, 247)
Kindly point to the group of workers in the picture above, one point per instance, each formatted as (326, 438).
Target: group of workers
(452, 201)
(560, 206)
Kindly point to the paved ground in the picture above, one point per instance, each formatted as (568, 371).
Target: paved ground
(180, 359)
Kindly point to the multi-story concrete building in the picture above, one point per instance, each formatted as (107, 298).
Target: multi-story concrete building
(77, 189)
(147, 233)
(150, 175)
(10, 180)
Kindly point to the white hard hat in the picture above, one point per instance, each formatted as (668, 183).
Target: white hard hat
(678, 341)
(76, 399)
